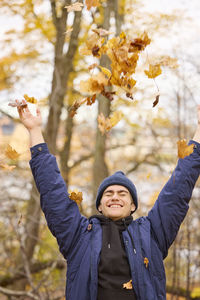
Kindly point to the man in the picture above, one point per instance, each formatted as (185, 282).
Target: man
(112, 255)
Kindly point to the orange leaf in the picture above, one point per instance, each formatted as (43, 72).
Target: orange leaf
(154, 71)
(76, 196)
(11, 153)
(183, 149)
(128, 285)
(91, 3)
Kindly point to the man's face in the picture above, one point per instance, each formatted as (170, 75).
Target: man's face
(116, 202)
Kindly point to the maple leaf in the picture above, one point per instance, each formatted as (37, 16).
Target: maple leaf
(11, 153)
(167, 61)
(77, 6)
(30, 99)
(106, 72)
(184, 149)
(128, 285)
(146, 262)
(154, 71)
(94, 84)
(105, 124)
(7, 167)
(92, 3)
(139, 43)
(76, 196)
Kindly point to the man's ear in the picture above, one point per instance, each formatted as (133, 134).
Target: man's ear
(100, 208)
(132, 207)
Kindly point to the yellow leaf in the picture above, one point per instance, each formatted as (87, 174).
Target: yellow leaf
(30, 99)
(146, 262)
(183, 149)
(128, 285)
(154, 71)
(11, 153)
(116, 117)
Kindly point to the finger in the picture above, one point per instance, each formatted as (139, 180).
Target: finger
(38, 112)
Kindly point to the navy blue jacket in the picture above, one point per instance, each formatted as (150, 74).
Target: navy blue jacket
(80, 244)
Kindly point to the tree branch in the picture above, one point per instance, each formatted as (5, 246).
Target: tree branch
(9, 292)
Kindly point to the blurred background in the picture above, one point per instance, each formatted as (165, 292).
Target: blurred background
(40, 56)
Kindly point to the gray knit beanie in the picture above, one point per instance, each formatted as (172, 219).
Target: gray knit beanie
(118, 178)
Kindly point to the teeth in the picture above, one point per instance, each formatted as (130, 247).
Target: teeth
(115, 205)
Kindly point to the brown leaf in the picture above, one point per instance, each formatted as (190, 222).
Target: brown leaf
(183, 149)
(128, 285)
(95, 51)
(11, 153)
(156, 100)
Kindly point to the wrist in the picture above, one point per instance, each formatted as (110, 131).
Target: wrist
(36, 136)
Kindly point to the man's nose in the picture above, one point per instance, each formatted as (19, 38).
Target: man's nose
(115, 196)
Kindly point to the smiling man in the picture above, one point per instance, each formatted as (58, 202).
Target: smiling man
(110, 255)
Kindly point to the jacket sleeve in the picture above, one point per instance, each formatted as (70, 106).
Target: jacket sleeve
(62, 214)
(171, 206)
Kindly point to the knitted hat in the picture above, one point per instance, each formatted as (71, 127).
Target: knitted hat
(118, 178)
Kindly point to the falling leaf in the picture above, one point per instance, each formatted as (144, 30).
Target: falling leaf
(106, 72)
(101, 32)
(154, 71)
(11, 153)
(167, 61)
(7, 167)
(128, 285)
(184, 149)
(148, 175)
(139, 43)
(105, 124)
(30, 99)
(77, 6)
(156, 100)
(76, 196)
(94, 84)
(92, 3)
(146, 262)
(91, 100)
(20, 220)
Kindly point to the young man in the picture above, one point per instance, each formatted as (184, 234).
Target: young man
(112, 255)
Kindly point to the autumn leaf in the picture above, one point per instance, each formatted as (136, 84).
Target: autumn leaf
(94, 84)
(184, 149)
(91, 100)
(11, 153)
(106, 72)
(77, 6)
(7, 167)
(76, 196)
(146, 262)
(128, 285)
(105, 124)
(140, 43)
(30, 99)
(154, 71)
(101, 32)
(156, 100)
(92, 3)
(167, 61)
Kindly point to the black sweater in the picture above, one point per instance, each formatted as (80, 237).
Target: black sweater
(114, 270)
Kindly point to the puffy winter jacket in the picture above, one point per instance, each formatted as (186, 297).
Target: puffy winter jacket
(80, 244)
